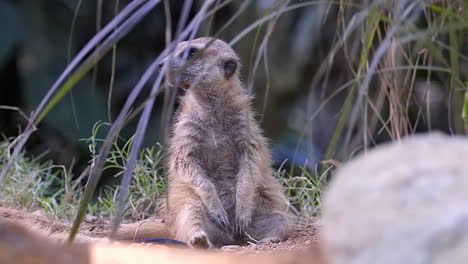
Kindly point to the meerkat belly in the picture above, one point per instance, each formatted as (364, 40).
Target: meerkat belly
(219, 156)
(220, 160)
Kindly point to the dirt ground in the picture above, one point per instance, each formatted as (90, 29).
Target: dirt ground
(301, 237)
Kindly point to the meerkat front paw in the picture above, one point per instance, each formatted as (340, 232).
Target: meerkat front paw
(200, 240)
(242, 223)
(220, 218)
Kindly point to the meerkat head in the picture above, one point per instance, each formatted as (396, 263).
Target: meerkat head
(201, 60)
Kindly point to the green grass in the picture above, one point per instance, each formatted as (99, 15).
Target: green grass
(304, 189)
(54, 189)
(30, 184)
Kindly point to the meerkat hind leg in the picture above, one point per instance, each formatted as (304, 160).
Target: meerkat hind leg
(199, 239)
(188, 225)
(269, 228)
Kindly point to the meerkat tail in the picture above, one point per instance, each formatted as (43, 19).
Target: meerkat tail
(143, 230)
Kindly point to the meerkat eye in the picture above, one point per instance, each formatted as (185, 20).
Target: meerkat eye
(192, 51)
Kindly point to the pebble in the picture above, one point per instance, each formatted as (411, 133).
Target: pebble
(230, 247)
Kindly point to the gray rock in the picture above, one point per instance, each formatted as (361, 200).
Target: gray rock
(403, 202)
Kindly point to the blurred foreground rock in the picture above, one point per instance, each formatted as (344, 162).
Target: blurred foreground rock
(403, 202)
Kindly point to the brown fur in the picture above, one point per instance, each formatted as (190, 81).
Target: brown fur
(221, 184)
(221, 188)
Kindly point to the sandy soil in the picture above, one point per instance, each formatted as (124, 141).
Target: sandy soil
(302, 236)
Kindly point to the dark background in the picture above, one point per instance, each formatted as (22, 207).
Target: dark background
(38, 39)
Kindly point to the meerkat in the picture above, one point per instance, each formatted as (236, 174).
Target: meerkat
(221, 188)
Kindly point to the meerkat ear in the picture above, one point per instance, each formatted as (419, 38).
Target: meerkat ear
(230, 68)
